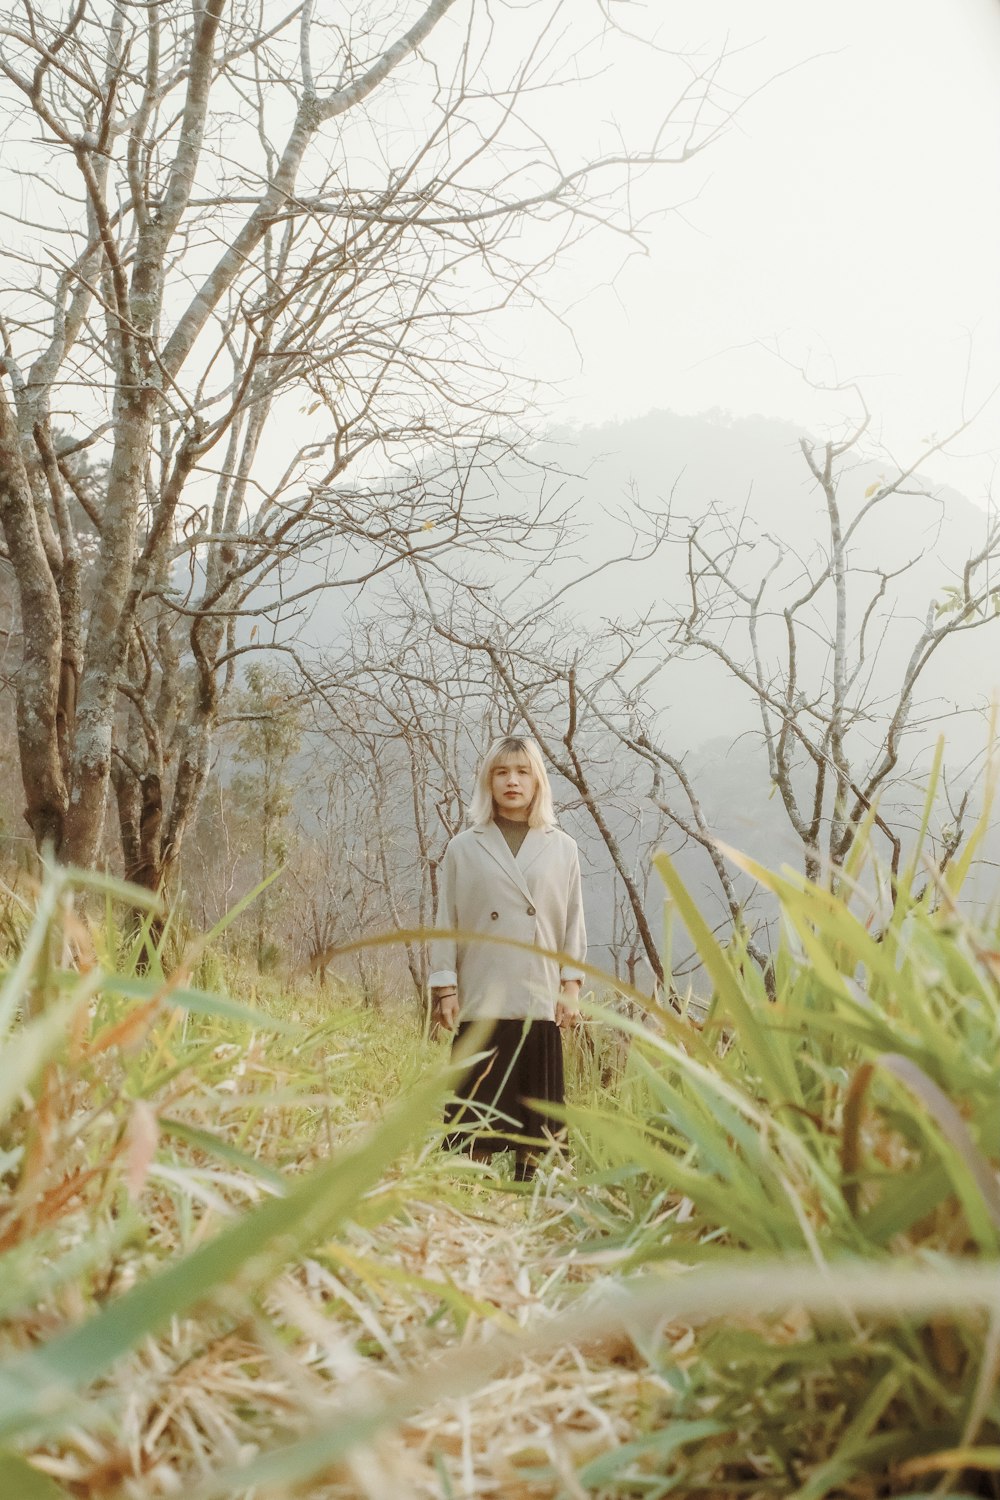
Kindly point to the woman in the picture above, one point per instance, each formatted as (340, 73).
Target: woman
(512, 874)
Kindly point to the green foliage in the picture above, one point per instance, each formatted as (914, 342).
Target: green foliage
(853, 1122)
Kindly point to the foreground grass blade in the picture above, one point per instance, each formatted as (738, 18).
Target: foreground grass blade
(197, 1002)
(30, 1048)
(30, 1274)
(215, 1145)
(18, 980)
(662, 1444)
(20, 1480)
(737, 1291)
(35, 1385)
(771, 1065)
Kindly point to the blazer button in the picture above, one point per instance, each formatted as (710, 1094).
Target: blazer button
(531, 911)
(494, 916)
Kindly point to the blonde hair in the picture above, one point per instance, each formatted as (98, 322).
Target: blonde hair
(541, 814)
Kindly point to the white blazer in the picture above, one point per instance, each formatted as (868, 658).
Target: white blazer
(534, 898)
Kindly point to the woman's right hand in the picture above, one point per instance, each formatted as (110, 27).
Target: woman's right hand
(447, 1008)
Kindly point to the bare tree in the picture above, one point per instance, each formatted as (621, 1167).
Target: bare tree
(404, 726)
(530, 666)
(334, 870)
(268, 742)
(217, 238)
(830, 662)
(815, 642)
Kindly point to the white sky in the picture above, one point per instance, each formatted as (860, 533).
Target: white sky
(852, 214)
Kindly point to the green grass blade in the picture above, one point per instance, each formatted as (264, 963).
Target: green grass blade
(236, 911)
(20, 1480)
(658, 1445)
(29, 1049)
(198, 1002)
(781, 1080)
(16, 984)
(214, 1145)
(34, 1384)
(113, 889)
(719, 1202)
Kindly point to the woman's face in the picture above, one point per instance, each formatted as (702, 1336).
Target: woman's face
(513, 784)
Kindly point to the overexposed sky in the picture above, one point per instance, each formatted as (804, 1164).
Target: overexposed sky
(851, 216)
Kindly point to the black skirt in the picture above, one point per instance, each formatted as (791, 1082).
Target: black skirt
(525, 1062)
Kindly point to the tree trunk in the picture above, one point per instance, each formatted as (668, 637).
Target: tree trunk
(139, 820)
(129, 801)
(38, 681)
(149, 868)
(108, 634)
(192, 773)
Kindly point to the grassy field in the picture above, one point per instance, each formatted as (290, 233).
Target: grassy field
(235, 1262)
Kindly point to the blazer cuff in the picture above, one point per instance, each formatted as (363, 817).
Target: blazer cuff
(567, 973)
(441, 977)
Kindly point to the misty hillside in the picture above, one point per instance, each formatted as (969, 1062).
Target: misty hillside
(753, 469)
(754, 466)
(750, 467)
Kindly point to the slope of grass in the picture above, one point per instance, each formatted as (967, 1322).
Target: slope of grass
(234, 1261)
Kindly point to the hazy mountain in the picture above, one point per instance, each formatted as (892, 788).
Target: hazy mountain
(604, 478)
(754, 467)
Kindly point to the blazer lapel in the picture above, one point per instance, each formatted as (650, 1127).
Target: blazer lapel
(496, 845)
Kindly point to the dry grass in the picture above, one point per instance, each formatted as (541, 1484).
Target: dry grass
(433, 1271)
(153, 1124)
(156, 1123)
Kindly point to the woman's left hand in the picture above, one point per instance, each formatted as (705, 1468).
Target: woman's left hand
(568, 1004)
